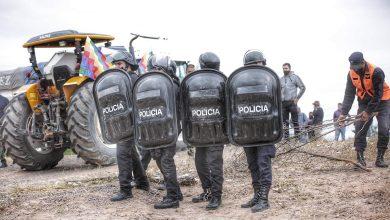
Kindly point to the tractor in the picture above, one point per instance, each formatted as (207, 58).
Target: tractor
(57, 112)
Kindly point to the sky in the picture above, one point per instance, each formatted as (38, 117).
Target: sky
(316, 37)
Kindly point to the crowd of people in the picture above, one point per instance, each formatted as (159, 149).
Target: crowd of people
(293, 117)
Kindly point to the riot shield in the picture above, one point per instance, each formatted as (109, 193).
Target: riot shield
(112, 92)
(155, 111)
(204, 108)
(254, 106)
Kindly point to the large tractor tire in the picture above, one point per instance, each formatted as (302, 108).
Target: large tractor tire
(28, 152)
(84, 129)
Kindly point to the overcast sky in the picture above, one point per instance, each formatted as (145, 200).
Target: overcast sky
(316, 37)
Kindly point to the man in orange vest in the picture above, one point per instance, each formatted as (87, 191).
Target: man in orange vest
(367, 82)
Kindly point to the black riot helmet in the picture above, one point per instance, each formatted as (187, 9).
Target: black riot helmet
(209, 60)
(125, 57)
(254, 57)
(162, 63)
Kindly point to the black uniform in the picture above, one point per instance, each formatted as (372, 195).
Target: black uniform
(129, 162)
(259, 164)
(259, 157)
(209, 160)
(209, 165)
(166, 163)
(146, 157)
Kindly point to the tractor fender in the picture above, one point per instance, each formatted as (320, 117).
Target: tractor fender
(72, 85)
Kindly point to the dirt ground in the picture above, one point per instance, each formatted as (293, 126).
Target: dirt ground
(304, 188)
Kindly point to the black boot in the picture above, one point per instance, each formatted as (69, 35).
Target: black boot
(203, 197)
(380, 162)
(179, 195)
(142, 185)
(360, 158)
(3, 164)
(167, 203)
(262, 203)
(253, 201)
(214, 203)
(122, 195)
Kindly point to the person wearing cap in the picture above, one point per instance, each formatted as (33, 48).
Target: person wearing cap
(259, 157)
(290, 82)
(367, 82)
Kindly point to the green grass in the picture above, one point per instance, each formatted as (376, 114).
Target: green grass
(68, 152)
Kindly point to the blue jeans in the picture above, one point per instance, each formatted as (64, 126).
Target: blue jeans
(338, 132)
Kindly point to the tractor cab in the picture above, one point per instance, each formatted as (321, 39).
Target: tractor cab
(62, 63)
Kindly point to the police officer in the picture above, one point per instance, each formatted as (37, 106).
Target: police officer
(146, 156)
(127, 156)
(164, 156)
(259, 158)
(208, 160)
(367, 82)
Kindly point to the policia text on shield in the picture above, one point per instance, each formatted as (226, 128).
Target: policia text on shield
(244, 110)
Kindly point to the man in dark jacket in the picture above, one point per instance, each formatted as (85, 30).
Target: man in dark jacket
(318, 114)
(127, 155)
(3, 103)
(368, 83)
(318, 117)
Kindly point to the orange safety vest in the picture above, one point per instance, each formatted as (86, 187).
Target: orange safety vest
(367, 86)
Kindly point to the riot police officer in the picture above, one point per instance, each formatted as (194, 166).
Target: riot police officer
(208, 160)
(164, 156)
(145, 154)
(259, 157)
(127, 155)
